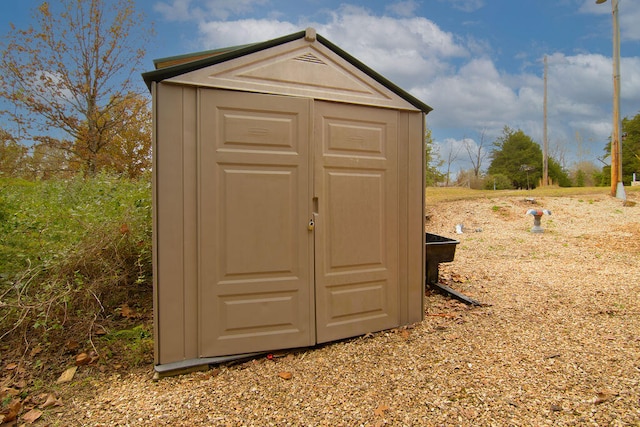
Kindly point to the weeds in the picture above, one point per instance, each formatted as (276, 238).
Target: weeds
(70, 252)
(136, 344)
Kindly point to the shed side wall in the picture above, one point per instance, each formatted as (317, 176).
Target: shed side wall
(415, 218)
(175, 155)
(411, 217)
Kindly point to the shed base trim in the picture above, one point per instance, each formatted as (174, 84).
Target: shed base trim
(186, 366)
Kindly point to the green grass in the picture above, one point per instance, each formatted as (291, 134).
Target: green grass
(43, 222)
(439, 194)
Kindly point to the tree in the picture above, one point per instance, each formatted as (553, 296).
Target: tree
(518, 157)
(47, 161)
(452, 156)
(584, 174)
(68, 78)
(630, 148)
(129, 151)
(476, 154)
(558, 174)
(13, 156)
(432, 160)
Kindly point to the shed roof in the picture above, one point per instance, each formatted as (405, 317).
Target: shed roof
(172, 67)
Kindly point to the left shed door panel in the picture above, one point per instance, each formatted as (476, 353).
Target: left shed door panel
(255, 247)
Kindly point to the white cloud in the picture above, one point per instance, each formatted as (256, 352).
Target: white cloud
(185, 10)
(402, 8)
(629, 28)
(479, 97)
(630, 81)
(475, 96)
(466, 5)
(568, 74)
(217, 34)
(178, 10)
(410, 50)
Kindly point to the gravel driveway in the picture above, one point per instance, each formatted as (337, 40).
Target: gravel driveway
(556, 343)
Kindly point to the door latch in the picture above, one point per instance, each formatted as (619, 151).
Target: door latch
(311, 225)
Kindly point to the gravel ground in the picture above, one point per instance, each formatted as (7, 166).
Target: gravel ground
(556, 343)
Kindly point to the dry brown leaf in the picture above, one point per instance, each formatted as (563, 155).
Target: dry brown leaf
(285, 375)
(50, 401)
(31, 416)
(35, 351)
(11, 366)
(381, 409)
(71, 345)
(450, 316)
(83, 359)
(67, 375)
(12, 411)
(457, 278)
(124, 229)
(128, 312)
(9, 391)
(604, 396)
(99, 330)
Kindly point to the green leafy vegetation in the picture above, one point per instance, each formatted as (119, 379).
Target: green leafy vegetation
(518, 157)
(135, 344)
(71, 251)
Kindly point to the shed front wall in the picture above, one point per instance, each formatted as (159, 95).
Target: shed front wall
(238, 269)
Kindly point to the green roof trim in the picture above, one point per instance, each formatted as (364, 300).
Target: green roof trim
(239, 51)
(208, 53)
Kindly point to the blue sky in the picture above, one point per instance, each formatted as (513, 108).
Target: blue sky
(478, 63)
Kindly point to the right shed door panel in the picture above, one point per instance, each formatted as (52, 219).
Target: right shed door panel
(356, 240)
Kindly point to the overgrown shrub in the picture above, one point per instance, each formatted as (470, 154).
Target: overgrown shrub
(71, 251)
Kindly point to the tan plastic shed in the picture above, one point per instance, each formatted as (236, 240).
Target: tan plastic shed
(288, 200)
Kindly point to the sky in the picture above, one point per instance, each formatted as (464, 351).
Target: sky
(477, 63)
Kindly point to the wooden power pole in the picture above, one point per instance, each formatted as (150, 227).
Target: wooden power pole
(545, 152)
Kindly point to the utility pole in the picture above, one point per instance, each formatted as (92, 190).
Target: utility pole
(545, 152)
(617, 187)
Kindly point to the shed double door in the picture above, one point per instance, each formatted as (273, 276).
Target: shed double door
(298, 221)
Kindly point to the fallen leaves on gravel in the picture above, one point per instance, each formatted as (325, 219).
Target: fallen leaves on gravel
(285, 375)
